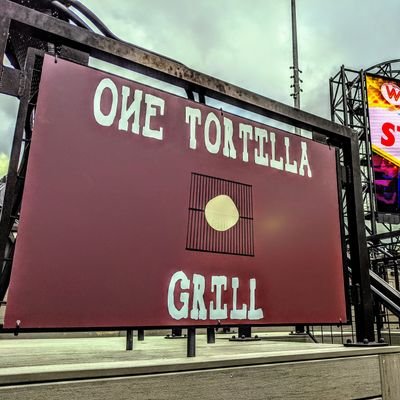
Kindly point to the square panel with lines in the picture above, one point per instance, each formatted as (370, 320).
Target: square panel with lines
(220, 216)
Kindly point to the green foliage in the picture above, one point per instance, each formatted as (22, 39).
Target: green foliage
(4, 160)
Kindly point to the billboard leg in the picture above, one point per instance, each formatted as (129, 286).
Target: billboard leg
(140, 335)
(210, 335)
(244, 332)
(176, 334)
(244, 335)
(129, 339)
(176, 331)
(299, 330)
(191, 342)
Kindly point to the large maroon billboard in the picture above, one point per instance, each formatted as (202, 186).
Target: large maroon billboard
(144, 209)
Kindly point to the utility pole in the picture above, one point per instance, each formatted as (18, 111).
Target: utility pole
(295, 67)
(299, 329)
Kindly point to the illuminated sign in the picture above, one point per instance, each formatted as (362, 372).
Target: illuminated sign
(384, 120)
(145, 209)
(384, 117)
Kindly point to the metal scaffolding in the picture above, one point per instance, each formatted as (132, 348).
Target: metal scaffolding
(349, 107)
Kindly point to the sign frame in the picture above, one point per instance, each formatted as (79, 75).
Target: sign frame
(76, 42)
(306, 190)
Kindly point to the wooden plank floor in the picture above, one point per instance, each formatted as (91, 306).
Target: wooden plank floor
(33, 360)
(157, 368)
(31, 352)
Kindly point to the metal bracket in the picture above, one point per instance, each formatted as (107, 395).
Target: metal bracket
(74, 55)
(12, 81)
(347, 177)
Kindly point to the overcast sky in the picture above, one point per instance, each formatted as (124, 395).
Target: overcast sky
(248, 43)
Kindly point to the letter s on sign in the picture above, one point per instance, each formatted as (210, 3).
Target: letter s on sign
(388, 129)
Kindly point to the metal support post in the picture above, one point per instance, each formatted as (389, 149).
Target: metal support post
(210, 335)
(363, 304)
(176, 331)
(13, 192)
(191, 342)
(368, 154)
(244, 335)
(244, 331)
(176, 334)
(140, 335)
(300, 330)
(129, 339)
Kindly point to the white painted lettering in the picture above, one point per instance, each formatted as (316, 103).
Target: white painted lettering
(174, 312)
(199, 310)
(152, 104)
(101, 118)
(271, 149)
(304, 161)
(196, 293)
(193, 118)
(229, 148)
(235, 312)
(289, 167)
(213, 148)
(274, 162)
(245, 132)
(218, 312)
(133, 109)
(253, 312)
(261, 137)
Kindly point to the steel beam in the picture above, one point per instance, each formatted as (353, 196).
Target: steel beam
(157, 66)
(363, 304)
(10, 81)
(12, 193)
(381, 236)
(4, 28)
(368, 153)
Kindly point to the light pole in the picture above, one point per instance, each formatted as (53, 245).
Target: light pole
(299, 329)
(295, 67)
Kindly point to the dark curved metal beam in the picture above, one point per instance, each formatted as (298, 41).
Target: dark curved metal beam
(383, 63)
(69, 14)
(94, 19)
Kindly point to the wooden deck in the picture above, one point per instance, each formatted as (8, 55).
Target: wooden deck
(101, 368)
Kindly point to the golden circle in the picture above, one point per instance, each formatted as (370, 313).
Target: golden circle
(221, 213)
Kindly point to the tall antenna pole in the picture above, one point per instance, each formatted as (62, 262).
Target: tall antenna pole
(299, 329)
(295, 67)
